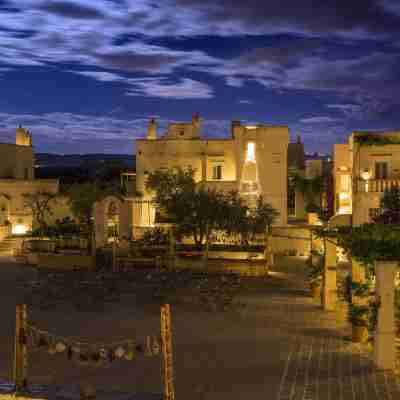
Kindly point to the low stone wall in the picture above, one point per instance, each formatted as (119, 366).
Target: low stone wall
(293, 240)
(240, 267)
(235, 255)
(5, 230)
(65, 261)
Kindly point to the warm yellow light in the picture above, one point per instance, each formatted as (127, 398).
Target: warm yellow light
(251, 152)
(19, 229)
(366, 175)
(344, 196)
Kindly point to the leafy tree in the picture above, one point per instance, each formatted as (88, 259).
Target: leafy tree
(198, 211)
(389, 208)
(40, 204)
(312, 189)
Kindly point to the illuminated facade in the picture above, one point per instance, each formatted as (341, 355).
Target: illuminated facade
(363, 168)
(253, 161)
(17, 178)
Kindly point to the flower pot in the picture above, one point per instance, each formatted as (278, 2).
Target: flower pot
(359, 334)
(315, 290)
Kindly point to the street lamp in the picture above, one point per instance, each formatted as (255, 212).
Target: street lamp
(366, 175)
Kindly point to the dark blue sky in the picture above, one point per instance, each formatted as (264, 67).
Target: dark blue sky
(86, 75)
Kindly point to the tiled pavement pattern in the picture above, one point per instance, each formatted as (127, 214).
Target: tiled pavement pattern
(322, 363)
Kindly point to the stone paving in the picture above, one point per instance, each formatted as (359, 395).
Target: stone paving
(322, 362)
(282, 346)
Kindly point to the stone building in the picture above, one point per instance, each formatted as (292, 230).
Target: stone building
(16, 178)
(253, 160)
(363, 168)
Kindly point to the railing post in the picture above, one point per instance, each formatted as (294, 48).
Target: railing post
(20, 349)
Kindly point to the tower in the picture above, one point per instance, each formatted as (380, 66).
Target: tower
(152, 130)
(196, 125)
(23, 137)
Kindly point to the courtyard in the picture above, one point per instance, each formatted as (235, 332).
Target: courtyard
(269, 341)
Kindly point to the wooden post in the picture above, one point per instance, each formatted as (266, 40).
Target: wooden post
(20, 349)
(167, 362)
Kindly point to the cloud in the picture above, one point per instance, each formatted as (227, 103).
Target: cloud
(159, 87)
(86, 133)
(70, 9)
(245, 101)
(318, 120)
(349, 110)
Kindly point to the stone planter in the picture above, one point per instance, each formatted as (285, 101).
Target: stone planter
(315, 289)
(312, 219)
(359, 334)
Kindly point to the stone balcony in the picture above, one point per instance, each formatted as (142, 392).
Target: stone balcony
(376, 185)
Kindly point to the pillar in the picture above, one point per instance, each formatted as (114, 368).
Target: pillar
(99, 224)
(385, 336)
(125, 219)
(268, 253)
(358, 275)
(357, 272)
(329, 299)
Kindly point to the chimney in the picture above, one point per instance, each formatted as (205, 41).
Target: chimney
(235, 127)
(298, 139)
(196, 125)
(152, 130)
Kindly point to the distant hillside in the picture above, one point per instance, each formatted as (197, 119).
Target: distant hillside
(44, 160)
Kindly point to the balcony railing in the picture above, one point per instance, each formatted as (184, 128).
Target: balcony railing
(376, 185)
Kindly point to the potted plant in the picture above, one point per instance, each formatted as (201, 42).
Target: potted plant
(315, 274)
(358, 317)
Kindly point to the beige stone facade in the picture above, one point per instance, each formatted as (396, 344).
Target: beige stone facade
(362, 172)
(253, 160)
(17, 178)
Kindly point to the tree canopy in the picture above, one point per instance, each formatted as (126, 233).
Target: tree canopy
(40, 205)
(197, 210)
(389, 212)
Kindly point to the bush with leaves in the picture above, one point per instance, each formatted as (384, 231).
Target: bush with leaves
(198, 211)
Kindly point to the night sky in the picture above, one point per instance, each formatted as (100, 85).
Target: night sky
(86, 75)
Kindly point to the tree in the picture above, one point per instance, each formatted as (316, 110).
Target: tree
(389, 213)
(198, 211)
(311, 188)
(40, 205)
(82, 198)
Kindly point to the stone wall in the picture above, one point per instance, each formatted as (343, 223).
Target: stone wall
(293, 239)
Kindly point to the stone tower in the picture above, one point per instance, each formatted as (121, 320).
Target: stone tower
(23, 137)
(152, 130)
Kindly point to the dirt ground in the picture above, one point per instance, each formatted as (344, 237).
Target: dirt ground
(240, 353)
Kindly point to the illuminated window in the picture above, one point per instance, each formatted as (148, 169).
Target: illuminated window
(251, 152)
(217, 172)
(381, 170)
(19, 229)
(344, 183)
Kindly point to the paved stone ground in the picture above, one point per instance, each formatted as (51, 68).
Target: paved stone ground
(322, 362)
(282, 346)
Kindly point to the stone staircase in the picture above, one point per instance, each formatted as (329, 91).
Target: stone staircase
(9, 245)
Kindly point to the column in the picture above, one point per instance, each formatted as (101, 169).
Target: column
(268, 253)
(329, 299)
(385, 336)
(358, 275)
